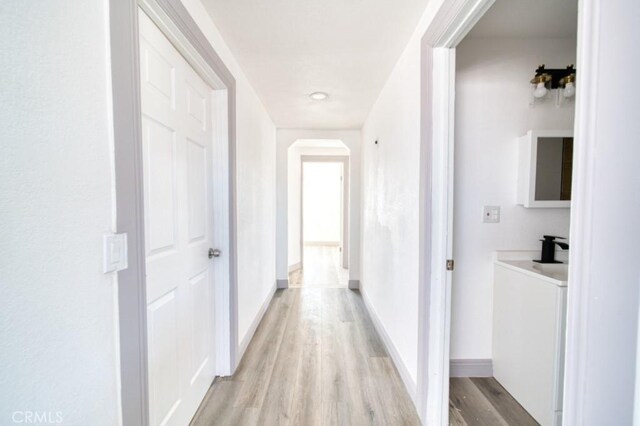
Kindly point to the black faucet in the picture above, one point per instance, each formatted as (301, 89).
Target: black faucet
(549, 249)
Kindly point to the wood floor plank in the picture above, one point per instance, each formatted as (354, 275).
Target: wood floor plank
(311, 363)
(280, 390)
(388, 387)
(322, 269)
(256, 367)
(512, 412)
(372, 341)
(455, 416)
(474, 408)
(333, 384)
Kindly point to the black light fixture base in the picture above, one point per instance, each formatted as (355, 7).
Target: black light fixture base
(555, 75)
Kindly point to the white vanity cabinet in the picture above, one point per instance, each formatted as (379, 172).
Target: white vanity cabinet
(528, 335)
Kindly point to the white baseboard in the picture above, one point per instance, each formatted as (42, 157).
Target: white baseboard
(256, 322)
(407, 380)
(471, 368)
(295, 267)
(354, 284)
(282, 283)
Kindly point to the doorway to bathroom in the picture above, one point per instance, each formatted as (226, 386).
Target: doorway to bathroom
(512, 168)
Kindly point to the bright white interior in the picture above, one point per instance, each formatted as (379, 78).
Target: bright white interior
(492, 111)
(322, 203)
(311, 147)
(58, 325)
(290, 49)
(255, 174)
(58, 178)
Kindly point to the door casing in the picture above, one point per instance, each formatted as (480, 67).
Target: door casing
(450, 24)
(180, 28)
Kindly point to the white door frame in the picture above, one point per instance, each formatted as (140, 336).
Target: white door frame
(178, 26)
(341, 159)
(449, 26)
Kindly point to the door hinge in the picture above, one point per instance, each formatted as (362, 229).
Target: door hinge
(450, 264)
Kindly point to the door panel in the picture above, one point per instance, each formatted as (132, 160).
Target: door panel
(164, 380)
(197, 192)
(177, 150)
(159, 143)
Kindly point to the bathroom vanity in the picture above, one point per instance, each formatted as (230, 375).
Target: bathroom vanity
(530, 302)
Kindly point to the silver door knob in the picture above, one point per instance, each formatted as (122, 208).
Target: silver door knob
(214, 253)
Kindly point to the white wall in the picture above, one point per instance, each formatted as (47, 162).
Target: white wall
(605, 309)
(492, 110)
(58, 324)
(256, 182)
(285, 208)
(322, 202)
(59, 318)
(390, 186)
(294, 164)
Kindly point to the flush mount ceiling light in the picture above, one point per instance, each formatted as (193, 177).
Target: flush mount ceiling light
(319, 96)
(563, 81)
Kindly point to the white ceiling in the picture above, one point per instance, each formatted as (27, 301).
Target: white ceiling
(529, 18)
(320, 143)
(291, 48)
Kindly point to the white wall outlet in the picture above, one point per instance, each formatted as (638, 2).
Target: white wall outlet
(115, 252)
(491, 214)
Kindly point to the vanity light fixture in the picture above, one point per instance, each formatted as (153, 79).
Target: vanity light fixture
(319, 96)
(563, 81)
(569, 85)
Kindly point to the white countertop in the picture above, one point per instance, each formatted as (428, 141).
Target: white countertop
(554, 273)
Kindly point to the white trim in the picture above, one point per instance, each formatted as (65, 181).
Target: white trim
(450, 25)
(441, 244)
(256, 321)
(354, 284)
(221, 172)
(471, 368)
(282, 283)
(222, 235)
(407, 380)
(584, 173)
(180, 42)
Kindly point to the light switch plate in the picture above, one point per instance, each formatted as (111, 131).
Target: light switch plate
(115, 252)
(491, 214)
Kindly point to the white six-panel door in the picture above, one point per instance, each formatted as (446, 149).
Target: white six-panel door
(177, 150)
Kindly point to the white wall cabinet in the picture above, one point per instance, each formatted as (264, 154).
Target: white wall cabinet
(528, 340)
(545, 159)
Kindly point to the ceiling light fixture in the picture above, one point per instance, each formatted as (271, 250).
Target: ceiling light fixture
(319, 96)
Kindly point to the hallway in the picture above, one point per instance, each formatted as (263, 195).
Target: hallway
(321, 269)
(315, 359)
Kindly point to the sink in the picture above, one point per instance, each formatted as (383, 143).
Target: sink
(551, 268)
(556, 273)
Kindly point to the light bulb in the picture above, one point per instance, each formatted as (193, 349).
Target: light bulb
(569, 90)
(540, 91)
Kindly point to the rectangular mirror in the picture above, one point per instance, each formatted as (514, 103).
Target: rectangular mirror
(545, 168)
(554, 162)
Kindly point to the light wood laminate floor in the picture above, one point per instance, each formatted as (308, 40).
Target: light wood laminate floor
(484, 402)
(315, 359)
(322, 268)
